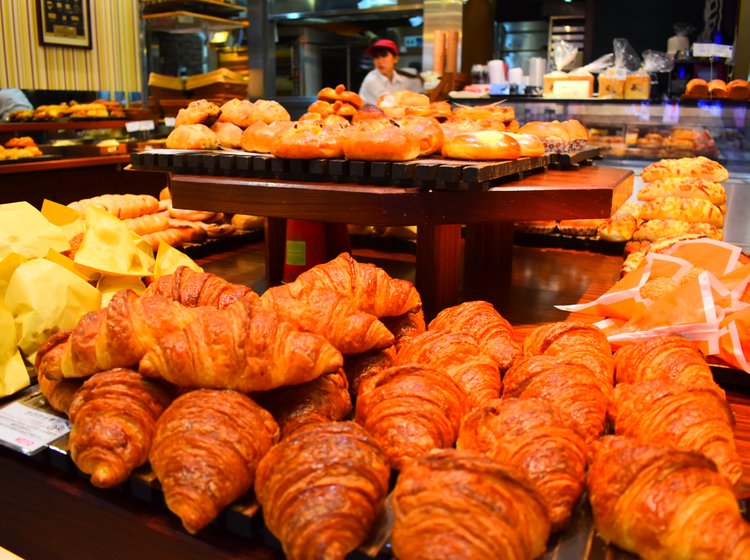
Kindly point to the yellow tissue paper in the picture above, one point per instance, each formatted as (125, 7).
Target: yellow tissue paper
(63, 217)
(7, 267)
(25, 231)
(110, 285)
(110, 247)
(42, 307)
(13, 373)
(168, 259)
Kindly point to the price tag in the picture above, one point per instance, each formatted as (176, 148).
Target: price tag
(27, 427)
(169, 122)
(134, 126)
(710, 50)
(571, 89)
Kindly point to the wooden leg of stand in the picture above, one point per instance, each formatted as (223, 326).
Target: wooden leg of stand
(488, 258)
(275, 234)
(438, 266)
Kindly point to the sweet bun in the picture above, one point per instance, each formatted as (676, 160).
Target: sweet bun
(259, 136)
(309, 140)
(554, 135)
(531, 146)
(696, 87)
(229, 134)
(738, 90)
(377, 140)
(459, 126)
(328, 94)
(271, 111)
(512, 126)
(164, 194)
(247, 221)
(717, 89)
(579, 134)
(344, 109)
(352, 99)
(201, 111)
(243, 113)
(428, 132)
(322, 107)
(192, 137)
(369, 111)
(482, 145)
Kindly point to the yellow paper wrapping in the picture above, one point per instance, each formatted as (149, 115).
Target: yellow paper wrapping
(111, 248)
(7, 267)
(13, 373)
(110, 285)
(43, 298)
(168, 259)
(63, 217)
(23, 230)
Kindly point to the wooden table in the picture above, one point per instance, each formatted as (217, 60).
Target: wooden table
(590, 192)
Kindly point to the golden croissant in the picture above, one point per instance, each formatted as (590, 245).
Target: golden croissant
(405, 327)
(410, 410)
(696, 418)
(481, 321)
(58, 391)
(662, 502)
(240, 347)
(198, 289)
(360, 367)
(459, 356)
(206, 450)
(322, 488)
(114, 416)
(458, 504)
(539, 440)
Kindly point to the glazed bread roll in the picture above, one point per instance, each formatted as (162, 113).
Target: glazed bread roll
(308, 140)
(198, 112)
(403, 98)
(148, 223)
(579, 134)
(243, 113)
(376, 140)
(367, 112)
(247, 221)
(495, 111)
(700, 167)
(482, 145)
(653, 230)
(717, 89)
(228, 134)
(554, 135)
(692, 210)
(453, 127)
(121, 205)
(427, 130)
(531, 146)
(684, 187)
(271, 111)
(323, 108)
(580, 228)
(192, 137)
(697, 87)
(258, 137)
(739, 90)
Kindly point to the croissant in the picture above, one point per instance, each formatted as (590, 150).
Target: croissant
(197, 289)
(123, 206)
(539, 440)
(573, 388)
(405, 327)
(240, 347)
(148, 223)
(481, 321)
(359, 367)
(58, 391)
(325, 399)
(458, 504)
(662, 357)
(322, 489)
(661, 502)
(695, 418)
(206, 450)
(114, 416)
(411, 409)
(461, 358)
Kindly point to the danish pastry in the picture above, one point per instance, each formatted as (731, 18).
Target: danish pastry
(482, 145)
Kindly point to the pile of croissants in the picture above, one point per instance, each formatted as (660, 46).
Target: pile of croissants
(314, 393)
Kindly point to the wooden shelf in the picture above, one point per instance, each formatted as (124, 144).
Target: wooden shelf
(61, 125)
(218, 8)
(190, 22)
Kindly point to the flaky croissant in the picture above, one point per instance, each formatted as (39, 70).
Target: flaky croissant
(206, 450)
(322, 489)
(410, 410)
(539, 440)
(197, 289)
(481, 321)
(360, 367)
(573, 388)
(460, 357)
(405, 327)
(240, 347)
(695, 418)
(114, 416)
(58, 391)
(325, 399)
(457, 504)
(661, 502)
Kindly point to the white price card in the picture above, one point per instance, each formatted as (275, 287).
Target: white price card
(28, 425)
(133, 126)
(169, 121)
(710, 50)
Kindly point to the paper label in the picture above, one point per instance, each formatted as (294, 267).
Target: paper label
(571, 89)
(169, 122)
(712, 50)
(134, 126)
(29, 425)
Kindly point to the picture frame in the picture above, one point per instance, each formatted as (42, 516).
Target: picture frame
(64, 23)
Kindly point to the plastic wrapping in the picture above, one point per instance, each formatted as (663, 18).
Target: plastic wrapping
(597, 66)
(612, 82)
(563, 54)
(657, 61)
(625, 55)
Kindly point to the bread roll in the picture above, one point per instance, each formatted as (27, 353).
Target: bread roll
(308, 140)
(258, 137)
(738, 90)
(684, 187)
(717, 89)
(428, 132)
(375, 140)
(229, 135)
(554, 135)
(580, 228)
(531, 146)
(700, 167)
(192, 137)
(482, 145)
(697, 87)
(243, 113)
(367, 112)
(271, 111)
(692, 210)
(653, 230)
(201, 111)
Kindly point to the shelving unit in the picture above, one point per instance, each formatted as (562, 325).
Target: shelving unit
(48, 126)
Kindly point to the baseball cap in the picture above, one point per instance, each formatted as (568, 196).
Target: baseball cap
(385, 43)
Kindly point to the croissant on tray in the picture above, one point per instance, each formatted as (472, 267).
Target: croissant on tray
(198, 289)
(322, 489)
(459, 356)
(240, 347)
(114, 416)
(572, 388)
(662, 502)
(410, 410)
(359, 367)
(206, 450)
(695, 418)
(457, 504)
(539, 440)
(481, 321)
(325, 399)
(58, 391)
(405, 327)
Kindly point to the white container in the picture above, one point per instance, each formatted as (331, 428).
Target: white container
(515, 75)
(537, 69)
(498, 71)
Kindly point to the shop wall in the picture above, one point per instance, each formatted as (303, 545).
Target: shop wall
(113, 64)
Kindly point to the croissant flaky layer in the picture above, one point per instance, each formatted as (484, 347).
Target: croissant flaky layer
(114, 416)
(539, 440)
(322, 489)
(198, 289)
(661, 502)
(458, 504)
(206, 450)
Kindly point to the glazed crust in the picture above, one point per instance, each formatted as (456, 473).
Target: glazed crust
(377, 140)
(482, 145)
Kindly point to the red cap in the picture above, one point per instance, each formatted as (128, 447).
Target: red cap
(385, 43)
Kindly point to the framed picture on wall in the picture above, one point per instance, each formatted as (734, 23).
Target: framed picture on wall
(64, 23)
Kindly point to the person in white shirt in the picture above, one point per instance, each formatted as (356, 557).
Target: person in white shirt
(386, 78)
(12, 99)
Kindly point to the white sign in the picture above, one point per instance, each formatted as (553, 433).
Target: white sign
(571, 89)
(134, 126)
(26, 427)
(710, 50)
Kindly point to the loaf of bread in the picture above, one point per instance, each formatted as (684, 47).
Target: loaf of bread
(684, 187)
(700, 167)
(192, 137)
(378, 140)
(691, 210)
(482, 145)
(229, 135)
(653, 230)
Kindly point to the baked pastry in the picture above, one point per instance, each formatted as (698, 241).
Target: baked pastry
(618, 228)
(20, 142)
(738, 90)
(700, 167)
(580, 228)
(368, 111)
(199, 289)
(482, 145)
(662, 502)
(379, 140)
(531, 146)
(309, 140)
(693, 417)
(188, 215)
(452, 127)
(697, 88)
(426, 130)
(554, 136)
(123, 206)
(611, 85)
(229, 135)
(148, 223)
(58, 391)
(482, 322)
(240, 112)
(578, 134)
(717, 89)
(538, 227)
(114, 416)
(684, 187)
(394, 104)
(460, 357)
(691, 210)
(247, 221)
(637, 86)
(360, 367)
(410, 410)
(495, 111)
(405, 327)
(174, 236)
(322, 489)
(206, 450)
(653, 230)
(270, 111)
(538, 439)
(458, 504)
(200, 111)
(192, 137)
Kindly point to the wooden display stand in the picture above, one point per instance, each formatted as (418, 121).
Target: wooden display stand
(450, 81)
